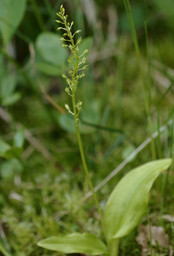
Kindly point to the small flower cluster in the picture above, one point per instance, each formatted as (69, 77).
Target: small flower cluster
(77, 61)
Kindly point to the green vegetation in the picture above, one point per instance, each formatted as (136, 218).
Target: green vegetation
(126, 121)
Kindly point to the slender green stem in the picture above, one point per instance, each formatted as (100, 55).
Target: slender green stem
(84, 161)
(114, 246)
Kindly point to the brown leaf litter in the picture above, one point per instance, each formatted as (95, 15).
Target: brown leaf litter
(150, 237)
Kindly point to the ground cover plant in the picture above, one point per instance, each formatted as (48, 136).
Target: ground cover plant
(126, 120)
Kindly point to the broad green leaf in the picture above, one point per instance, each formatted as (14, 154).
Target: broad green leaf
(8, 152)
(9, 168)
(66, 122)
(128, 201)
(13, 152)
(4, 251)
(18, 139)
(50, 49)
(75, 243)
(11, 14)
(11, 99)
(49, 69)
(4, 147)
(7, 86)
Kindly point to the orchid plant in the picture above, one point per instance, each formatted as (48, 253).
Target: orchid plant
(127, 204)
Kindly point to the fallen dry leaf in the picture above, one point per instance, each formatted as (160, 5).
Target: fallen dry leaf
(156, 234)
(168, 218)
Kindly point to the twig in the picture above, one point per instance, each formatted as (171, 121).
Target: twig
(49, 99)
(128, 159)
